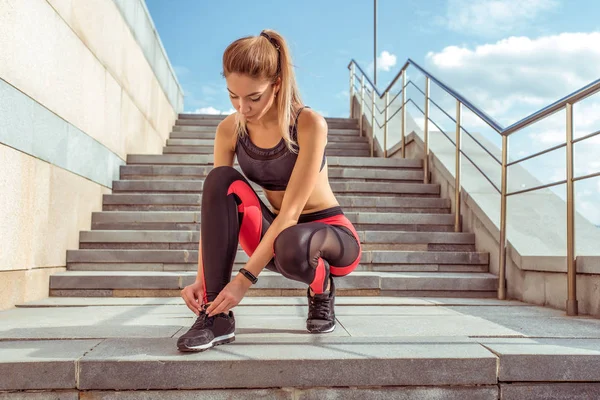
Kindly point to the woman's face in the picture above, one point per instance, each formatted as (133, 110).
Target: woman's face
(250, 97)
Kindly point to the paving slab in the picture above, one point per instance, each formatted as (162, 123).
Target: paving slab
(91, 322)
(425, 324)
(271, 301)
(400, 393)
(45, 395)
(43, 364)
(547, 390)
(546, 359)
(535, 321)
(207, 394)
(122, 364)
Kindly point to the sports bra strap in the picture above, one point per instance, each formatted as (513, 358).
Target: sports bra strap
(298, 115)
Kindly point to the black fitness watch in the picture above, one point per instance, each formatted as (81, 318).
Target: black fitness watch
(249, 275)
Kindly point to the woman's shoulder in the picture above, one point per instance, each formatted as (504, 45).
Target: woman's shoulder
(309, 119)
(226, 129)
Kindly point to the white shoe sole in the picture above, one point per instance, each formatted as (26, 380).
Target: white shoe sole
(215, 342)
(327, 331)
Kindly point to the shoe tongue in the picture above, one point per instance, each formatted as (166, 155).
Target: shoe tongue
(324, 295)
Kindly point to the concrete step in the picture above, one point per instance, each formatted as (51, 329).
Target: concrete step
(198, 122)
(333, 124)
(332, 150)
(361, 218)
(332, 136)
(208, 132)
(195, 186)
(241, 262)
(222, 117)
(343, 143)
(202, 116)
(339, 161)
(189, 240)
(183, 172)
(180, 220)
(192, 202)
(387, 257)
(169, 284)
(166, 245)
(151, 367)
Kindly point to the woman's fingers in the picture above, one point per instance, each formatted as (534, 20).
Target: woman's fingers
(186, 297)
(214, 304)
(221, 308)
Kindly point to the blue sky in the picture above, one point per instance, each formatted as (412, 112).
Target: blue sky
(508, 57)
(325, 35)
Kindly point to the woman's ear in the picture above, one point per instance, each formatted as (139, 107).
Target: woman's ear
(277, 85)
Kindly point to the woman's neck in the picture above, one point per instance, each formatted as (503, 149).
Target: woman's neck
(270, 119)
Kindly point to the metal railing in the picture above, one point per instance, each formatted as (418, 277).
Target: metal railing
(565, 103)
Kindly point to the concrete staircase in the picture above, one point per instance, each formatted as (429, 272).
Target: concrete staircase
(121, 344)
(145, 241)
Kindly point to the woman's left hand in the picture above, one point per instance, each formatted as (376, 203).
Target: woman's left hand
(230, 296)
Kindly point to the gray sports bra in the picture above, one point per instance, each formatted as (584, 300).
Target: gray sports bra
(270, 168)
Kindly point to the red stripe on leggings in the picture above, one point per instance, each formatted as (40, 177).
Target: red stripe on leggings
(319, 281)
(251, 227)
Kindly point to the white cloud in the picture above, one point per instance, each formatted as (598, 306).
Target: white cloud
(213, 111)
(493, 17)
(385, 61)
(518, 75)
(343, 95)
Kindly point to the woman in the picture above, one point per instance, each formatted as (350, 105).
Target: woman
(280, 145)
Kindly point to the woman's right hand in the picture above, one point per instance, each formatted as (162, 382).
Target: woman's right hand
(193, 295)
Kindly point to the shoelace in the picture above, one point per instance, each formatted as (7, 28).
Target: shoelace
(203, 320)
(319, 307)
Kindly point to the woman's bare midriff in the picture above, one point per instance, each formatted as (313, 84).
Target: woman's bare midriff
(321, 198)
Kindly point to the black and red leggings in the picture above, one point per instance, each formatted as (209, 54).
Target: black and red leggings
(232, 211)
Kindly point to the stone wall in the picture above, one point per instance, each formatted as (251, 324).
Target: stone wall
(82, 84)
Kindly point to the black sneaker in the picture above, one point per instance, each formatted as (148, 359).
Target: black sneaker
(208, 332)
(321, 316)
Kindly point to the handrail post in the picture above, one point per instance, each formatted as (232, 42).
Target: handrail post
(351, 90)
(402, 142)
(503, 216)
(385, 124)
(362, 104)
(571, 261)
(372, 119)
(457, 227)
(426, 134)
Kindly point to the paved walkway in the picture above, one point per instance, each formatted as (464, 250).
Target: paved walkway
(458, 348)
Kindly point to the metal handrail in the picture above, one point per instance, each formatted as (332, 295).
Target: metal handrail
(566, 103)
(453, 120)
(574, 97)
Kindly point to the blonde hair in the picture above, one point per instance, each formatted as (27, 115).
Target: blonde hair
(266, 58)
